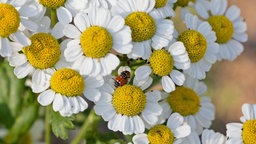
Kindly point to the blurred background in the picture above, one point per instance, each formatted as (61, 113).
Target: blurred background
(231, 84)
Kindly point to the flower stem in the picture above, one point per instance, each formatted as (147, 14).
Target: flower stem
(53, 17)
(47, 126)
(88, 128)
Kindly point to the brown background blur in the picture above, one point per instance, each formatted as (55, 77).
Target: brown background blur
(230, 84)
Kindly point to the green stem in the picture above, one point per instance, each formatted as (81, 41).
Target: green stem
(47, 126)
(53, 17)
(88, 128)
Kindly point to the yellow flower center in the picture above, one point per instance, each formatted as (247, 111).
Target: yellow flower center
(44, 51)
(9, 20)
(249, 132)
(67, 82)
(160, 134)
(184, 101)
(195, 44)
(223, 28)
(183, 3)
(54, 4)
(142, 25)
(96, 42)
(129, 100)
(161, 62)
(160, 3)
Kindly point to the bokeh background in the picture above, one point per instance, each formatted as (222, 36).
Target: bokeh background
(231, 84)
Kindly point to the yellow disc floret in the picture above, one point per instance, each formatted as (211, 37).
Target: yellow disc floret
(54, 4)
(184, 101)
(161, 62)
(44, 51)
(183, 3)
(195, 44)
(96, 42)
(160, 3)
(67, 82)
(223, 28)
(9, 20)
(160, 134)
(129, 100)
(249, 132)
(142, 25)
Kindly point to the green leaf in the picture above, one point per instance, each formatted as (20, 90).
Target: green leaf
(11, 89)
(61, 125)
(18, 105)
(24, 120)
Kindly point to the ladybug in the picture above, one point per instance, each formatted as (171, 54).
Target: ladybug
(122, 79)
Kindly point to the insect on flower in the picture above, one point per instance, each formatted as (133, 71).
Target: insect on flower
(122, 79)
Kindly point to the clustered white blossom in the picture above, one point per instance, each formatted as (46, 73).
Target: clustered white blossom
(72, 57)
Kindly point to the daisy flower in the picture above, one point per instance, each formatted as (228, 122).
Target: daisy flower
(38, 59)
(229, 26)
(199, 40)
(93, 38)
(243, 133)
(15, 16)
(65, 90)
(211, 137)
(164, 8)
(148, 29)
(163, 63)
(171, 133)
(189, 101)
(127, 108)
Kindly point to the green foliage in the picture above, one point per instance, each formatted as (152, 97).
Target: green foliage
(18, 105)
(61, 125)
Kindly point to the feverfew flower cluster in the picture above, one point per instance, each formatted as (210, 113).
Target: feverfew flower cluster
(112, 52)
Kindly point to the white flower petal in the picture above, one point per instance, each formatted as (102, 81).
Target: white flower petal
(175, 121)
(233, 13)
(139, 125)
(94, 82)
(81, 20)
(92, 94)
(28, 10)
(57, 30)
(72, 53)
(177, 77)
(182, 131)
(167, 84)
(23, 70)
(17, 59)
(58, 102)
(22, 39)
(116, 23)
(142, 72)
(5, 47)
(249, 111)
(30, 25)
(140, 139)
(75, 107)
(82, 103)
(177, 48)
(71, 31)
(86, 66)
(46, 97)
(64, 16)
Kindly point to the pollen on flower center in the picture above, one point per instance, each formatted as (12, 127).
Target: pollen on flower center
(67, 82)
(54, 4)
(96, 42)
(44, 51)
(195, 44)
(9, 20)
(161, 62)
(183, 3)
(223, 28)
(129, 100)
(184, 101)
(142, 25)
(249, 132)
(160, 134)
(160, 3)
